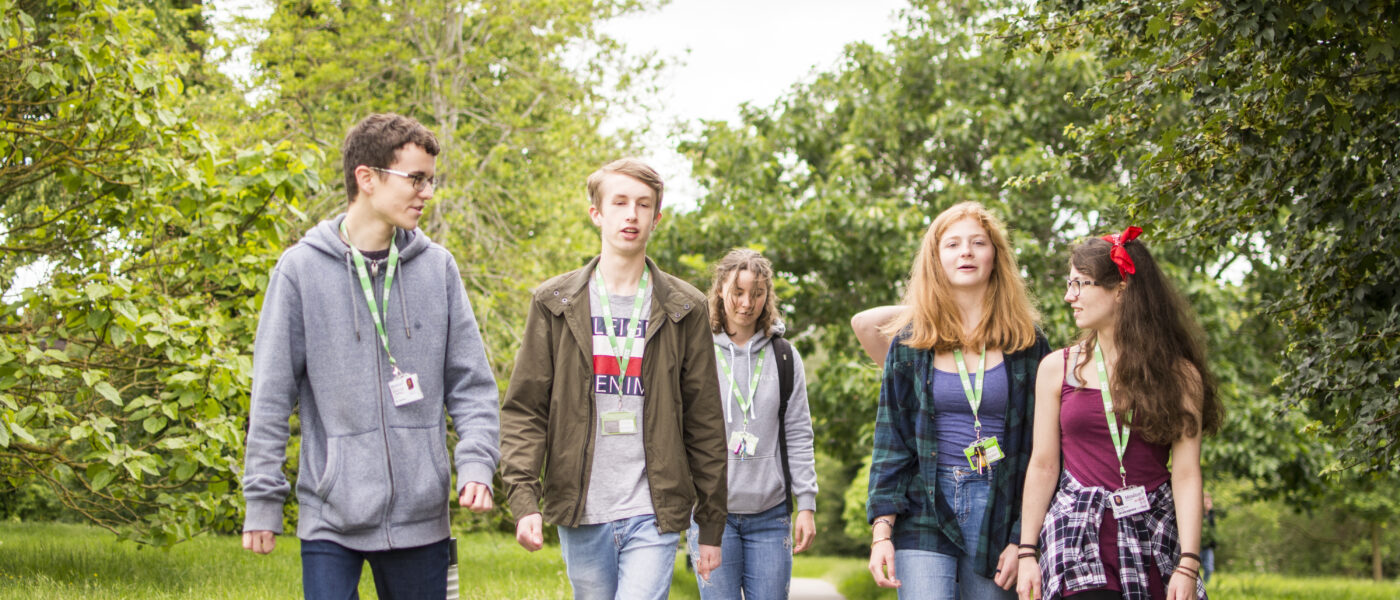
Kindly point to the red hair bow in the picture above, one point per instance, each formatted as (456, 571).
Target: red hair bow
(1119, 254)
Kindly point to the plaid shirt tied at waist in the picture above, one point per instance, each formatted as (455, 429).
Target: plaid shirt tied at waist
(1071, 559)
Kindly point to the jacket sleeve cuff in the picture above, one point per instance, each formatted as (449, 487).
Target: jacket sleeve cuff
(711, 534)
(807, 502)
(263, 515)
(474, 472)
(523, 505)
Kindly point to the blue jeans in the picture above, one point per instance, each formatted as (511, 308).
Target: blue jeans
(626, 559)
(330, 571)
(925, 574)
(756, 557)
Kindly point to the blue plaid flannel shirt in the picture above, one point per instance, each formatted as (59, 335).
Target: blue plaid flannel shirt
(904, 465)
(1070, 541)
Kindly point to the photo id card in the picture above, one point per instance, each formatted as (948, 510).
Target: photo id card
(619, 422)
(983, 453)
(1128, 501)
(743, 444)
(405, 389)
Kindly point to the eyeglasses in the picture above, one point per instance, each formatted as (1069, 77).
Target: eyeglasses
(418, 180)
(1073, 286)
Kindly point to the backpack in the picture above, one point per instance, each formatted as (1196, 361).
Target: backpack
(786, 376)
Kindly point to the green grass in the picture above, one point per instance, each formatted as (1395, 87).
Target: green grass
(53, 561)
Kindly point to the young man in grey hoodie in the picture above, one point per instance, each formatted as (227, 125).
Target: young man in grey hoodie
(367, 332)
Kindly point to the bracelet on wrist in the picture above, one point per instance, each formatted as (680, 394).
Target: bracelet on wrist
(1035, 547)
(1028, 555)
(1191, 555)
(878, 540)
(882, 520)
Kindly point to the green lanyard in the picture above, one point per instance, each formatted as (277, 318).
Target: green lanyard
(1120, 443)
(745, 404)
(974, 395)
(625, 356)
(369, 292)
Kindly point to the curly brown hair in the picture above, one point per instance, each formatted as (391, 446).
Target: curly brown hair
(742, 259)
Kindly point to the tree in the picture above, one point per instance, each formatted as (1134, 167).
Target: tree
(1278, 135)
(124, 372)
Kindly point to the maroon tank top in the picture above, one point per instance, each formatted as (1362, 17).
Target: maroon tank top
(1089, 456)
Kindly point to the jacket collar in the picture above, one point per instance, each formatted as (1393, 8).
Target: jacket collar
(571, 290)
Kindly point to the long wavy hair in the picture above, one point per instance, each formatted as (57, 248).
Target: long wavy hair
(932, 316)
(1161, 353)
(742, 259)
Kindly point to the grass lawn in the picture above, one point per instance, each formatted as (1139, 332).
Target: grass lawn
(54, 561)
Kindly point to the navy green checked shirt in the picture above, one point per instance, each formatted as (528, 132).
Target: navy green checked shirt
(904, 466)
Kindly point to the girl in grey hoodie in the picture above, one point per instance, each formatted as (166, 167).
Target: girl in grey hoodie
(770, 449)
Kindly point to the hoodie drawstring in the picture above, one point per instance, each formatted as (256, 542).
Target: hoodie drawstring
(350, 277)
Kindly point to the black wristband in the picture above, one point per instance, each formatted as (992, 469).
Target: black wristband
(1028, 546)
(1189, 555)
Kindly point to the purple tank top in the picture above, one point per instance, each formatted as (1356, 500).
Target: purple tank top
(1090, 458)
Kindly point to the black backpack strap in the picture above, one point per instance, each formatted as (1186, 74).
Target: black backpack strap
(786, 377)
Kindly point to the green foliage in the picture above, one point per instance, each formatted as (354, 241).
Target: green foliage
(1264, 125)
(840, 178)
(124, 374)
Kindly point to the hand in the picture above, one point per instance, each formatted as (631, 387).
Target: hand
(529, 532)
(1028, 579)
(804, 530)
(261, 542)
(881, 563)
(1005, 577)
(477, 497)
(1181, 587)
(709, 561)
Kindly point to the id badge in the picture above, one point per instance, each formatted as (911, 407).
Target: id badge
(619, 422)
(743, 444)
(983, 453)
(1128, 501)
(405, 389)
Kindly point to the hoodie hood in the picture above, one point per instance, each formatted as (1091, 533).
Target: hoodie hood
(325, 237)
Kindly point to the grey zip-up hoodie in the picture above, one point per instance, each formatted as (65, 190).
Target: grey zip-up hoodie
(756, 482)
(372, 476)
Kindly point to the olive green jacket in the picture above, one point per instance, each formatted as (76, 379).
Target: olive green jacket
(549, 413)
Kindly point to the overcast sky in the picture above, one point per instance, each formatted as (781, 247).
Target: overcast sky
(732, 51)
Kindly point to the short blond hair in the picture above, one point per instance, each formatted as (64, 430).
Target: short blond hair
(630, 167)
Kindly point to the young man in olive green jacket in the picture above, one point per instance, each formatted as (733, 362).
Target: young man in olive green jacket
(612, 426)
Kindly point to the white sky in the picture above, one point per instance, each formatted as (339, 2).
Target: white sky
(726, 52)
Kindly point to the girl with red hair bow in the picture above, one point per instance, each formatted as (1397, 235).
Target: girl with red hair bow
(1132, 393)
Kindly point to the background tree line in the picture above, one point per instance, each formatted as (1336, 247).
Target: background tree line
(1253, 141)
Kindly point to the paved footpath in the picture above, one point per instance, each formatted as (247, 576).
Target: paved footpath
(813, 589)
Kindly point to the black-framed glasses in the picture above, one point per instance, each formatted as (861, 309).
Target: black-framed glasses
(1073, 286)
(418, 180)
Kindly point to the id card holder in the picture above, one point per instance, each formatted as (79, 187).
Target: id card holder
(1128, 501)
(619, 422)
(405, 389)
(743, 444)
(991, 449)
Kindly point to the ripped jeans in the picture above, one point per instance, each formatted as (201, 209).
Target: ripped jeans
(756, 557)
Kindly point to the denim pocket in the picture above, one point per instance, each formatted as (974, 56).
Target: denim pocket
(355, 487)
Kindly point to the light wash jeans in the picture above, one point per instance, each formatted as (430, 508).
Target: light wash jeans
(627, 559)
(756, 557)
(923, 574)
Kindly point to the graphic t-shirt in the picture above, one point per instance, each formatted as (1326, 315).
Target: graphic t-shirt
(617, 484)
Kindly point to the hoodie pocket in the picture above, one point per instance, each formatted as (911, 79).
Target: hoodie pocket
(421, 484)
(355, 488)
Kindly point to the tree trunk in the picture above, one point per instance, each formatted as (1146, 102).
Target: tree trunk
(1376, 572)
